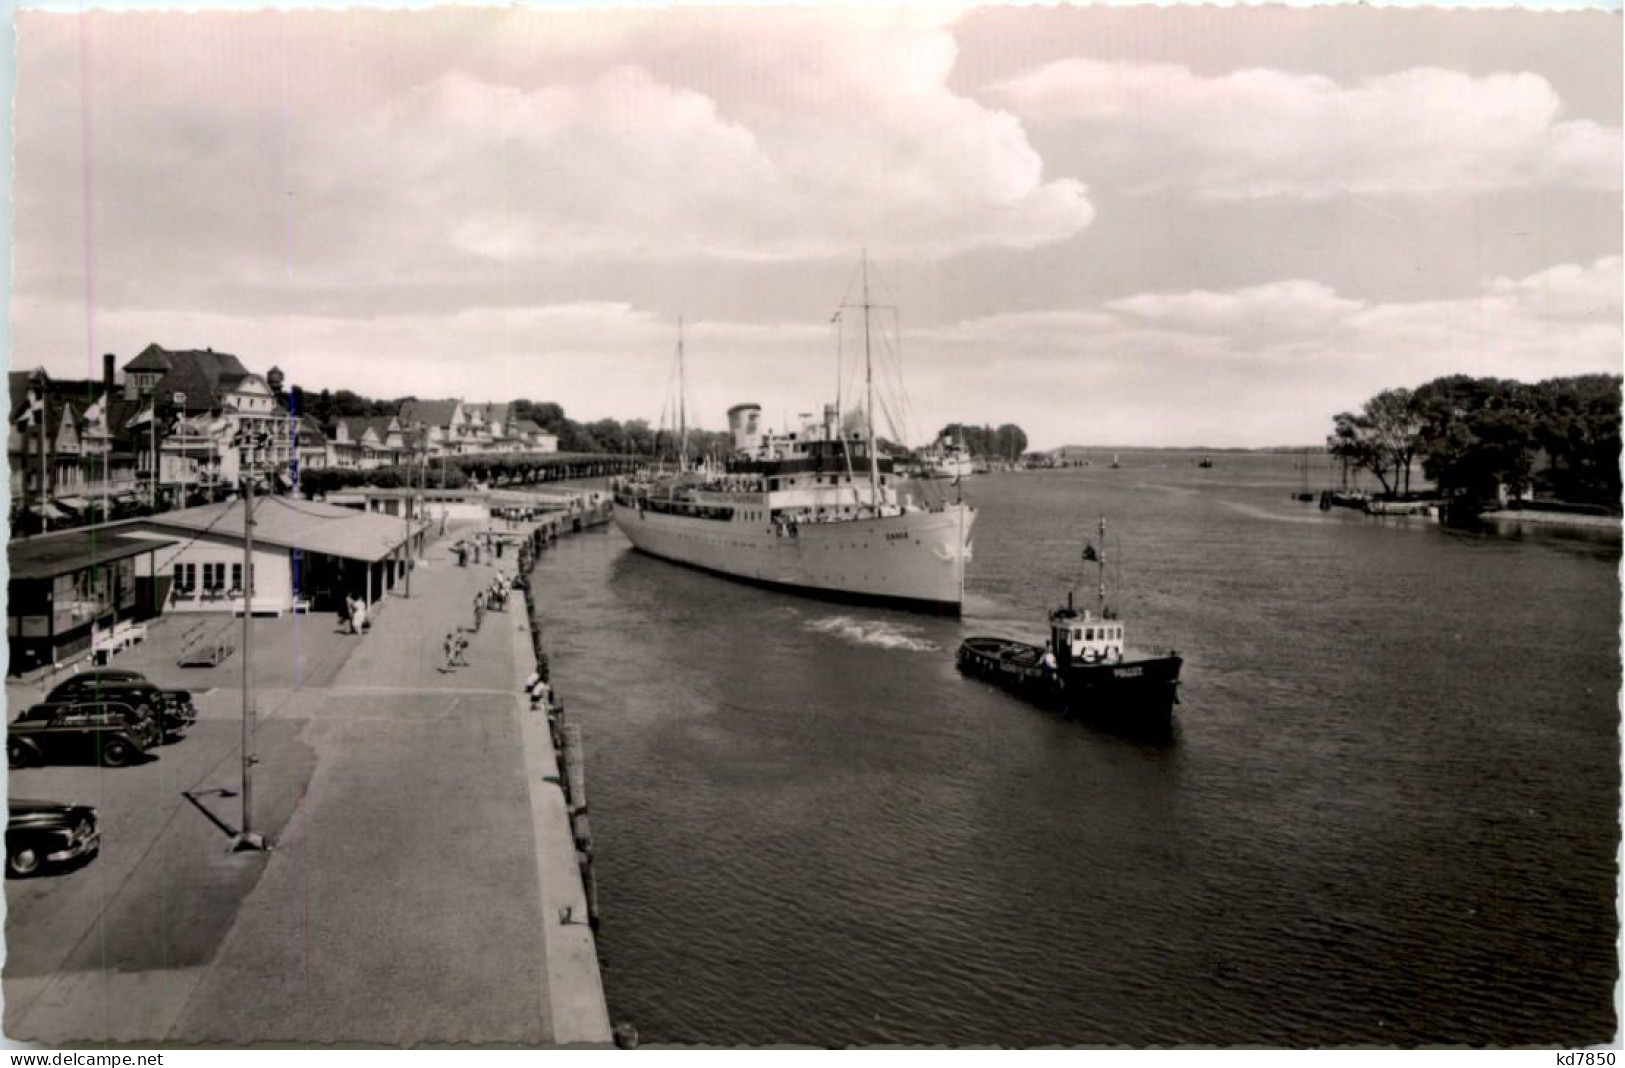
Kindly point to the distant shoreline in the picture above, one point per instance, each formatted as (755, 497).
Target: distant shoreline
(1216, 449)
(1539, 515)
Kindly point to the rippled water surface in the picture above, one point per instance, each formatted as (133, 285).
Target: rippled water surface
(1389, 812)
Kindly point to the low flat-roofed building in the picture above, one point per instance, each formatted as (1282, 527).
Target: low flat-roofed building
(306, 555)
(65, 588)
(438, 505)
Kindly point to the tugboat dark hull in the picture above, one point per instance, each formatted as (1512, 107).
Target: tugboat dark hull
(1132, 691)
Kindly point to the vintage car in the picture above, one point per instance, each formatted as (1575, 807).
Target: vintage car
(174, 708)
(42, 834)
(112, 735)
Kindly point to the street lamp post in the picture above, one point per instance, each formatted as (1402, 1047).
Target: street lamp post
(180, 416)
(248, 840)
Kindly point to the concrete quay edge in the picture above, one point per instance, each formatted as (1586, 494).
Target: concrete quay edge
(577, 1011)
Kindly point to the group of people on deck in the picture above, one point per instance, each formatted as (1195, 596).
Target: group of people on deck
(787, 522)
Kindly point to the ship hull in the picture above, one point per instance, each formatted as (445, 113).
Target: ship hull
(1136, 692)
(914, 561)
(950, 469)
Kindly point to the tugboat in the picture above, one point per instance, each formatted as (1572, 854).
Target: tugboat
(1084, 669)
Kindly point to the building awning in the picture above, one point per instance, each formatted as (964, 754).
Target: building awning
(292, 523)
(50, 555)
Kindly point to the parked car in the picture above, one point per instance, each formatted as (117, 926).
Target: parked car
(42, 834)
(111, 734)
(174, 708)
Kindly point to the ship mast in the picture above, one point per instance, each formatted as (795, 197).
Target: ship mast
(869, 382)
(1100, 558)
(682, 409)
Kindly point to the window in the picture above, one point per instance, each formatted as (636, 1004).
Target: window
(186, 577)
(214, 576)
(1089, 635)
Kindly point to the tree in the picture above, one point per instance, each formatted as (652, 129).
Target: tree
(1010, 442)
(1383, 436)
(1477, 435)
(1577, 426)
(346, 404)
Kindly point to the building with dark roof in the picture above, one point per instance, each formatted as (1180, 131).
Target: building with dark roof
(218, 397)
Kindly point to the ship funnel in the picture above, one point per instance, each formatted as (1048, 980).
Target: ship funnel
(745, 425)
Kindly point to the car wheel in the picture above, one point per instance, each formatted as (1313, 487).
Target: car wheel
(18, 755)
(22, 862)
(116, 753)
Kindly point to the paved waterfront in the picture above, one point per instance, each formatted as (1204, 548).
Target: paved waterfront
(407, 901)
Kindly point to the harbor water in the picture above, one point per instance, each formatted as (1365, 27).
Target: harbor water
(1388, 813)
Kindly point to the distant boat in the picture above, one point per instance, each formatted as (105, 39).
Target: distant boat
(1205, 462)
(1303, 493)
(1114, 461)
(946, 458)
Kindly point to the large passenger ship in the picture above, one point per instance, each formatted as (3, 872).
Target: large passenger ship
(817, 510)
(812, 511)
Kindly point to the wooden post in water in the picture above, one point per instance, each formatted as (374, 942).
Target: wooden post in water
(575, 771)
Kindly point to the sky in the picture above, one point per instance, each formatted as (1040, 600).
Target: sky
(1132, 226)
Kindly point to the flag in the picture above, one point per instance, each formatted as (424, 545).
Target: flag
(1089, 553)
(36, 408)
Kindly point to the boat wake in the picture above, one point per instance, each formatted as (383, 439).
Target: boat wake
(1263, 513)
(882, 634)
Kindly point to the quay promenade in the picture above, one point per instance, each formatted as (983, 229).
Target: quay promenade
(423, 888)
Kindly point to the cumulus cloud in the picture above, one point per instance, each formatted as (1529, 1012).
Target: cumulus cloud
(1262, 364)
(330, 146)
(1258, 133)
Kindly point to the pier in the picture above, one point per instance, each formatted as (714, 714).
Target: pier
(425, 883)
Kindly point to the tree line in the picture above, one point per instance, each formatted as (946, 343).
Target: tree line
(1008, 442)
(1559, 438)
